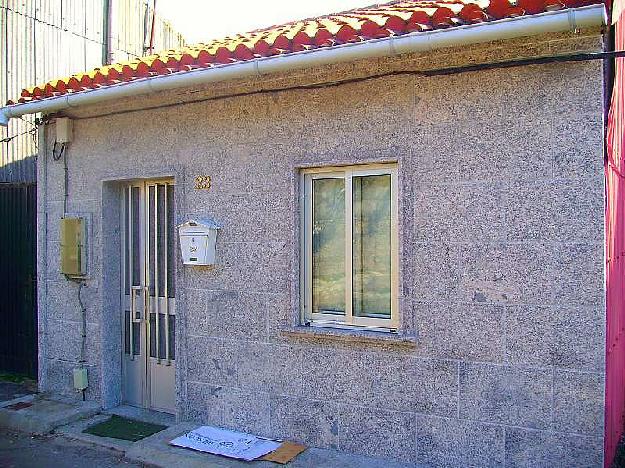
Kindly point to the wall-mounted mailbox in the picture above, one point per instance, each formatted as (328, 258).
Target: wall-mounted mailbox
(73, 246)
(197, 241)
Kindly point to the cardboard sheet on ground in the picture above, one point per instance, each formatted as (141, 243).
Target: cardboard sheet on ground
(227, 443)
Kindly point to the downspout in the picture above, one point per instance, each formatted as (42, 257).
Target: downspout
(549, 22)
(42, 256)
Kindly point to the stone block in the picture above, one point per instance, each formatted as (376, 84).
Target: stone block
(487, 95)
(427, 385)
(233, 314)
(563, 211)
(63, 341)
(258, 216)
(201, 404)
(311, 422)
(455, 213)
(212, 361)
(62, 301)
(228, 407)
(372, 380)
(578, 402)
(562, 336)
(270, 367)
(473, 332)
(579, 210)
(253, 266)
(332, 374)
(282, 312)
(435, 271)
(245, 411)
(506, 273)
(482, 156)
(196, 309)
(506, 395)
(377, 433)
(578, 274)
(530, 211)
(453, 442)
(577, 146)
(584, 88)
(528, 448)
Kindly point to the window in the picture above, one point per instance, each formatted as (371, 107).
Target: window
(349, 247)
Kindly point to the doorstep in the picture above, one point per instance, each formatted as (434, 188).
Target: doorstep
(38, 414)
(75, 430)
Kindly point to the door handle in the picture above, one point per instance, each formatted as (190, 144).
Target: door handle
(146, 302)
(135, 314)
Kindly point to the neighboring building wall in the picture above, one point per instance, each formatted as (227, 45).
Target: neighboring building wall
(501, 233)
(615, 261)
(43, 40)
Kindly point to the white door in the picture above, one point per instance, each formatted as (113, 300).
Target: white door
(148, 295)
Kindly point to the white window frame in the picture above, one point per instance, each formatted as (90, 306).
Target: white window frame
(348, 320)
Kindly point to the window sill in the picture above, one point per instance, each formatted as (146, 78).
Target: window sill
(350, 335)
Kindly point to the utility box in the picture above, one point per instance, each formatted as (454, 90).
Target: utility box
(198, 239)
(80, 379)
(73, 247)
(64, 130)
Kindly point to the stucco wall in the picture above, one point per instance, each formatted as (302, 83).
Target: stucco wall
(501, 229)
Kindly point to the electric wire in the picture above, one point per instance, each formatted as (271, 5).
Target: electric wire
(542, 60)
(32, 131)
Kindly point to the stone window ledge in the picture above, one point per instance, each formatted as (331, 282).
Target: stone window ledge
(350, 335)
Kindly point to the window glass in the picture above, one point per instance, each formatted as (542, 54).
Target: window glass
(371, 246)
(136, 228)
(328, 246)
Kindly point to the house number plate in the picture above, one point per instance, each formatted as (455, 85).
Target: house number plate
(202, 182)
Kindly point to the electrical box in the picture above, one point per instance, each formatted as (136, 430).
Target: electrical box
(80, 379)
(198, 239)
(63, 130)
(73, 247)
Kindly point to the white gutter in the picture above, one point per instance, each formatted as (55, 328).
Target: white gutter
(550, 22)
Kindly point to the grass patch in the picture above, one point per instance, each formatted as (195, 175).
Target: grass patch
(117, 427)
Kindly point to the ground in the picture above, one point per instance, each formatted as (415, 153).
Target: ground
(24, 451)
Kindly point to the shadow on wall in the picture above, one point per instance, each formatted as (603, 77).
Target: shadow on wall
(20, 171)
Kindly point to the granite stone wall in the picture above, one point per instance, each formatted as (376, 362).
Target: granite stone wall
(501, 257)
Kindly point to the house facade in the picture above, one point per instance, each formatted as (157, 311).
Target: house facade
(409, 261)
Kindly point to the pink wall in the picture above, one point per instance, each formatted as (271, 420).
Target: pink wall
(615, 258)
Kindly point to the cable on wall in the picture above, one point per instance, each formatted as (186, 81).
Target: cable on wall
(83, 330)
(543, 60)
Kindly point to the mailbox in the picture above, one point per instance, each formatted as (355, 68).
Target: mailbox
(197, 241)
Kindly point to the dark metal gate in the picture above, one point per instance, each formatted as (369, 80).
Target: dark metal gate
(18, 276)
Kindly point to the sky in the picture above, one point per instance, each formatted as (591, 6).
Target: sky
(200, 20)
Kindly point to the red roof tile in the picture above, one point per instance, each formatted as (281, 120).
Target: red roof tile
(361, 24)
